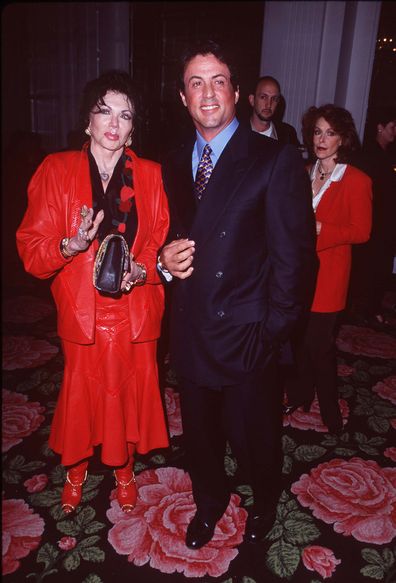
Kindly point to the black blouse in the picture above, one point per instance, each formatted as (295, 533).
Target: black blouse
(109, 201)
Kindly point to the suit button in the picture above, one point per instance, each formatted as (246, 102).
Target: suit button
(222, 234)
(221, 314)
(219, 274)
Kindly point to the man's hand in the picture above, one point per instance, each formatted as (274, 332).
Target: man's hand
(177, 258)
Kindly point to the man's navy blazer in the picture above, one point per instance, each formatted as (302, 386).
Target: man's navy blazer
(254, 257)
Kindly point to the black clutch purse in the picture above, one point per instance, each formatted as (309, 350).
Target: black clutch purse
(111, 262)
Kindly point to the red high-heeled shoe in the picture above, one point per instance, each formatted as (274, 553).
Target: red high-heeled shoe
(126, 490)
(72, 490)
(126, 484)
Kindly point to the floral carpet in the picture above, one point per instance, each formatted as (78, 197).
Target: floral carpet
(336, 518)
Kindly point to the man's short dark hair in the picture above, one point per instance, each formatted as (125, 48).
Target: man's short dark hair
(205, 47)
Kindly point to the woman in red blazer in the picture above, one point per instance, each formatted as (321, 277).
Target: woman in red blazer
(109, 395)
(341, 199)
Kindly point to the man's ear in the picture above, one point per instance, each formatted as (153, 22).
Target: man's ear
(251, 99)
(183, 98)
(236, 95)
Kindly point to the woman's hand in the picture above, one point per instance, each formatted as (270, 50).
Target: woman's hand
(136, 274)
(86, 232)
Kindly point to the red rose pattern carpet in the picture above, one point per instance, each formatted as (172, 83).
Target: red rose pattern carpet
(336, 517)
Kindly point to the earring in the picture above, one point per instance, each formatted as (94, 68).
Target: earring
(129, 141)
(88, 131)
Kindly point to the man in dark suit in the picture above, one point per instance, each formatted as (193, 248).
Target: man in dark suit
(242, 242)
(267, 102)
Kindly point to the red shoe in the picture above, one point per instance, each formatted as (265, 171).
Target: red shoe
(126, 488)
(72, 490)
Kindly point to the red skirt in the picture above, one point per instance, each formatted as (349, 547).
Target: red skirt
(110, 393)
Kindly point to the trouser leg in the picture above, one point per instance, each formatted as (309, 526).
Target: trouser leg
(321, 342)
(205, 441)
(253, 422)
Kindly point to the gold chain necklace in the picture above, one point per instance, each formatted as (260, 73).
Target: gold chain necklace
(322, 172)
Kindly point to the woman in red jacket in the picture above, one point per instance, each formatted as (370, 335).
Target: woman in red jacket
(109, 395)
(341, 199)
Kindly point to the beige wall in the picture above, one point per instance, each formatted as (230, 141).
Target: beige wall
(321, 52)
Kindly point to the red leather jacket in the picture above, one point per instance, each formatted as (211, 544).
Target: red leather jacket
(345, 214)
(57, 191)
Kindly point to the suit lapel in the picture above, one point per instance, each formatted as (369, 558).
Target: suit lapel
(226, 178)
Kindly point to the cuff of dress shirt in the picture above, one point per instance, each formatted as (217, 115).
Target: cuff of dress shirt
(163, 271)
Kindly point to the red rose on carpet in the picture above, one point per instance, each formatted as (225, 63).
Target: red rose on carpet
(22, 530)
(36, 483)
(20, 418)
(312, 419)
(357, 496)
(26, 352)
(155, 532)
(387, 389)
(343, 370)
(172, 403)
(390, 452)
(26, 309)
(66, 543)
(321, 560)
(366, 342)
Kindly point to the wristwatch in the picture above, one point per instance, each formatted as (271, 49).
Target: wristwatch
(63, 248)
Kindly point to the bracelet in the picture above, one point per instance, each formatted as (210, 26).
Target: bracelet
(63, 248)
(161, 265)
(141, 278)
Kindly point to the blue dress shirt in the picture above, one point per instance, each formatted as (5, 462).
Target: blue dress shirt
(217, 144)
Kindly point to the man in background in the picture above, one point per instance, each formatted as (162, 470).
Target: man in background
(266, 102)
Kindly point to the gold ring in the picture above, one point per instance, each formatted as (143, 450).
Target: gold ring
(83, 213)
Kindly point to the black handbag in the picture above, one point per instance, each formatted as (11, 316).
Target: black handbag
(111, 262)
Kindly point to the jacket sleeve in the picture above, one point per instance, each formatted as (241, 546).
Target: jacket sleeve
(149, 254)
(44, 223)
(356, 226)
(290, 232)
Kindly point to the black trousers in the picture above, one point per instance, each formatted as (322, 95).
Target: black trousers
(316, 366)
(249, 416)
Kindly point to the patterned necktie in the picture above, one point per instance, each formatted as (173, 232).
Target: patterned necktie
(204, 171)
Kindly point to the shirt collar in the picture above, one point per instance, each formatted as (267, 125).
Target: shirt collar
(219, 142)
(270, 132)
(335, 176)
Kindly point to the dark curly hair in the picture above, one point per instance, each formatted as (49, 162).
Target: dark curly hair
(379, 115)
(341, 122)
(95, 90)
(205, 47)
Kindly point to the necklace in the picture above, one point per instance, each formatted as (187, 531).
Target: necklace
(323, 173)
(104, 176)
